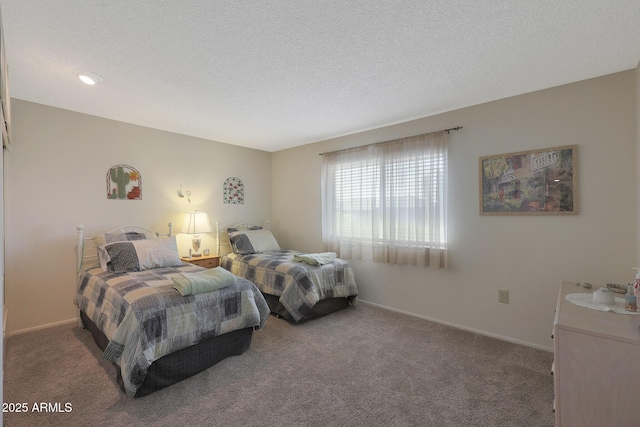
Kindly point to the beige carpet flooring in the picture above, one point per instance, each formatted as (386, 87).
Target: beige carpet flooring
(363, 366)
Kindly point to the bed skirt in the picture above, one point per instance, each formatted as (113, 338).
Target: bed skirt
(181, 364)
(322, 308)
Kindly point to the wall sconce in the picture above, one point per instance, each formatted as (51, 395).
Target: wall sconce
(181, 195)
(196, 223)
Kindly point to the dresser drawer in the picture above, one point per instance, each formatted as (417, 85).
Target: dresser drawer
(207, 261)
(212, 262)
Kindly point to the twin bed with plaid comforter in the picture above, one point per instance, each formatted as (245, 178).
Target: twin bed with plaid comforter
(299, 286)
(145, 318)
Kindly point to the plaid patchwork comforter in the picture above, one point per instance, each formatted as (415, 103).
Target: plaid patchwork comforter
(300, 286)
(145, 318)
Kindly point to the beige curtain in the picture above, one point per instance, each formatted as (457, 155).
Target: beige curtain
(387, 202)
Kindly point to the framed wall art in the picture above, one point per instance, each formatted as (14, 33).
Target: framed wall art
(233, 191)
(536, 182)
(124, 183)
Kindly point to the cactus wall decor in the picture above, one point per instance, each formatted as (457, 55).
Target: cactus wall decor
(124, 183)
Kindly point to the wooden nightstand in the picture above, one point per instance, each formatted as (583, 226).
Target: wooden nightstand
(208, 261)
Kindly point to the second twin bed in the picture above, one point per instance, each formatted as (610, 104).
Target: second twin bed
(297, 286)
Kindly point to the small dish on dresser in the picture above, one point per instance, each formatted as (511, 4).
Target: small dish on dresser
(603, 296)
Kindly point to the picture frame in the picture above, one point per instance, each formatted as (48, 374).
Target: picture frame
(534, 182)
(233, 191)
(124, 182)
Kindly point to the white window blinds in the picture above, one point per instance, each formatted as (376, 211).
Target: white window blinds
(387, 202)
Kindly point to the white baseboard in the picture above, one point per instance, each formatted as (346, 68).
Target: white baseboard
(466, 328)
(38, 328)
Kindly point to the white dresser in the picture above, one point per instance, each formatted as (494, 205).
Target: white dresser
(596, 365)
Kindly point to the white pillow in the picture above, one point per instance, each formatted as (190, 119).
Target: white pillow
(138, 255)
(157, 253)
(253, 241)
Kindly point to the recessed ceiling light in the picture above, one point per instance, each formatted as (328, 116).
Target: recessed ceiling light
(89, 78)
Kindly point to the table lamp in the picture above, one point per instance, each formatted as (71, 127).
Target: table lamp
(196, 223)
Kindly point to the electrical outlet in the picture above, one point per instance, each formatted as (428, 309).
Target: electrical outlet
(503, 296)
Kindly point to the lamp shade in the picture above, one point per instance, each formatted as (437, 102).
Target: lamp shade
(196, 223)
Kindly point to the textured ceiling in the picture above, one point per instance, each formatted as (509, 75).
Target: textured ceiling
(273, 74)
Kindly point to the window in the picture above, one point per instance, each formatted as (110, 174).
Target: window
(387, 202)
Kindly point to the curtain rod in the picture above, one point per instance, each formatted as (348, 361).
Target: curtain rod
(376, 143)
(455, 128)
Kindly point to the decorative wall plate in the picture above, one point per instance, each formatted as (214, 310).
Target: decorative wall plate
(233, 191)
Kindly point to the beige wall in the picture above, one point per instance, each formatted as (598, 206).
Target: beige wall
(56, 179)
(529, 256)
